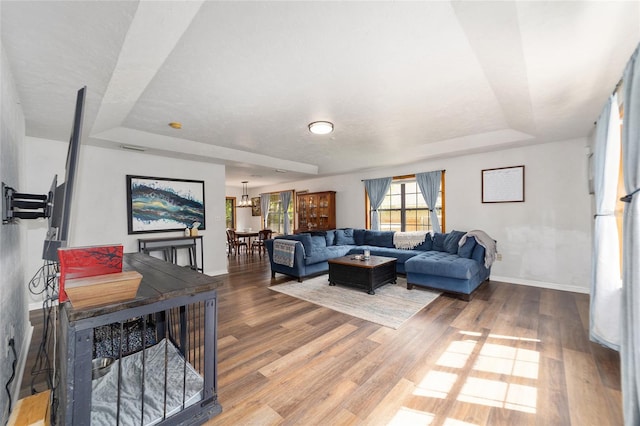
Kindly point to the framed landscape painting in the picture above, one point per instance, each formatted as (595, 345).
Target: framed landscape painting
(162, 204)
(255, 206)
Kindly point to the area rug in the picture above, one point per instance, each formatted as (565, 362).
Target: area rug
(391, 306)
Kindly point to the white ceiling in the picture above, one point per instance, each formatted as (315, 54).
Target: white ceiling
(401, 81)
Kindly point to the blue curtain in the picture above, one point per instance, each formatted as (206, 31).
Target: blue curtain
(264, 206)
(630, 341)
(285, 198)
(376, 189)
(606, 282)
(429, 184)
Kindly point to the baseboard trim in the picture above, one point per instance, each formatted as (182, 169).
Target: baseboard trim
(22, 362)
(214, 273)
(541, 284)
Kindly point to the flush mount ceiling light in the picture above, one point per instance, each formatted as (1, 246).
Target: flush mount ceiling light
(175, 125)
(321, 127)
(244, 200)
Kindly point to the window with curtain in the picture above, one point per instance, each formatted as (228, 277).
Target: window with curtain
(230, 210)
(404, 208)
(619, 211)
(275, 219)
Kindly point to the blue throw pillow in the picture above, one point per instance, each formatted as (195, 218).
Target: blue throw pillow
(318, 242)
(438, 241)
(358, 236)
(427, 244)
(466, 249)
(451, 241)
(379, 238)
(344, 237)
(330, 236)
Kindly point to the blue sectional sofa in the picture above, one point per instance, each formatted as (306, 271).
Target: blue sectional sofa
(439, 262)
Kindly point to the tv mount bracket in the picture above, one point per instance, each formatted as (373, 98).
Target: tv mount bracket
(16, 205)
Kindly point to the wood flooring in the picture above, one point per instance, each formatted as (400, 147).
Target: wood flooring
(513, 355)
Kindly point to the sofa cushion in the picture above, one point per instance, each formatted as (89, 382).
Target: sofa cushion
(443, 264)
(478, 254)
(427, 244)
(304, 238)
(466, 249)
(379, 238)
(451, 241)
(438, 241)
(318, 242)
(330, 236)
(358, 236)
(344, 236)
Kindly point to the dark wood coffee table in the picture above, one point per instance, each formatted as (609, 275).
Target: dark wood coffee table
(368, 274)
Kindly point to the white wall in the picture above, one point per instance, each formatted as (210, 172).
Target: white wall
(13, 288)
(545, 241)
(100, 210)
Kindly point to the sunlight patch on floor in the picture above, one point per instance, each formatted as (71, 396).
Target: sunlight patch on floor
(457, 354)
(407, 416)
(500, 360)
(436, 384)
(456, 422)
(495, 393)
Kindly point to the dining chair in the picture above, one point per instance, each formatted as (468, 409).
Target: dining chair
(234, 244)
(263, 235)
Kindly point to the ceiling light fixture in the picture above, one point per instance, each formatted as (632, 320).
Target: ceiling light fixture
(321, 127)
(175, 125)
(244, 200)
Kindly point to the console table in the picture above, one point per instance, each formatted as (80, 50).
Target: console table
(176, 301)
(170, 245)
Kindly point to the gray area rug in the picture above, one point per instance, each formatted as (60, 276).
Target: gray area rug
(391, 306)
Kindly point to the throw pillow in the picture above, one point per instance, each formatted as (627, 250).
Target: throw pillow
(330, 236)
(451, 241)
(318, 242)
(438, 241)
(427, 244)
(358, 236)
(344, 237)
(466, 249)
(379, 238)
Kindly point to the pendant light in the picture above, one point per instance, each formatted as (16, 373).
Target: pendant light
(244, 201)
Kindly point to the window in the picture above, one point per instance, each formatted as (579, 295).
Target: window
(619, 210)
(230, 212)
(404, 208)
(275, 219)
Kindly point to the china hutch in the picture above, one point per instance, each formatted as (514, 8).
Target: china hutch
(316, 211)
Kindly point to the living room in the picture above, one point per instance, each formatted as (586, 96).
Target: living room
(544, 242)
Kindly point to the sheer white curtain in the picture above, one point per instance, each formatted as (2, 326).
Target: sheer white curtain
(376, 189)
(605, 274)
(630, 341)
(264, 206)
(285, 199)
(429, 184)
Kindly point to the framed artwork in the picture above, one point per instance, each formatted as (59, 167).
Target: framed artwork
(162, 204)
(503, 185)
(255, 206)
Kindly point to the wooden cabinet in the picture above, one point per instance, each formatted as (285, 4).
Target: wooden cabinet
(316, 211)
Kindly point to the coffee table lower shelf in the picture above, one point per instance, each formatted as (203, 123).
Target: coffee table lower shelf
(368, 274)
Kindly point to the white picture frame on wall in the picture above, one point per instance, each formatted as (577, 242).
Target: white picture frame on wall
(503, 185)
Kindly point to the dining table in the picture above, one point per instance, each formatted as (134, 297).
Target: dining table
(246, 236)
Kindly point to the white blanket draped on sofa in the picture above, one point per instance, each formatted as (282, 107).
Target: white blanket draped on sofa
(409, 240)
